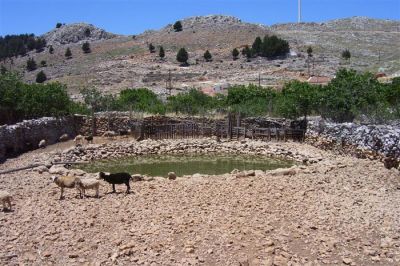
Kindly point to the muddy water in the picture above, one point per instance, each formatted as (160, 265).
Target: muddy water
(160, 165)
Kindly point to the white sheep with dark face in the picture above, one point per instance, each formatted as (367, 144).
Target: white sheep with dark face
(78, 140)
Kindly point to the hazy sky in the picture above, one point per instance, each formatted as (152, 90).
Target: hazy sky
(135, 16)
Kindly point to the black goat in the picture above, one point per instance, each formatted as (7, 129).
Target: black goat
(117, 178)
(89, 138)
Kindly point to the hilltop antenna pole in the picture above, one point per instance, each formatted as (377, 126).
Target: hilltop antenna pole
(299, 12)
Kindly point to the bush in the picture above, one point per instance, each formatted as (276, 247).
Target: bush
(309, 51)
(87, 32)
(207, 56)
(177, 26)
(152, 49)
(58, 25)
(31, 64)
(141, 99)
(68, 53)
(43, 63)
(192, 102)
(41, 77)
(182, 56)
(51, 49)
(235, 53)
(86, 47)
(161, 54)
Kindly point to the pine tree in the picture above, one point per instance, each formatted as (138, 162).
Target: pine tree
(152, 49)
(309, 51)
(207, 56)
(248, 53)
(161, 53)
(87, 32)
(41, 77)
(86, 47)
(51, 49)
(31, 64)
(182, 56)
(235, 54)
(256, 47)
(58, 25)
(43, 63)
(178, 26)
(68, 53)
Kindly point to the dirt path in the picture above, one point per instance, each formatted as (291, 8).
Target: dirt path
(339, 211)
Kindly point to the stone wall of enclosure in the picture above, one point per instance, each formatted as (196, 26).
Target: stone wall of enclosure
(366, 141)
(26, 135)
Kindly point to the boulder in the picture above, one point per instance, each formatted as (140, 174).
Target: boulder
(171, 176)
(64, 137)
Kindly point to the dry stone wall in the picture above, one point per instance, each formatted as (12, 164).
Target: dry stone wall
(361, 140)
(26, 135)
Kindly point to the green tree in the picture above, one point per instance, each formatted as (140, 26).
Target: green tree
(152, 49)
(346, 55)
(309, 51)
(86, 47)
(192, 102)
(51, 49)
(257, 45)
(3, 70)
(351, 94)
(58, 25)
(141, 99)
(41, 77)
(87, 32)
(248, 53)
(161, 53)
(68, 53)
(273, 47)
(297, 99)
(31, 64)
(177, 26)
(182, 56)
(207, 56)
(43, 63)
(235, 54)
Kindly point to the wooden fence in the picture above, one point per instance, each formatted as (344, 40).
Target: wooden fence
(187, 130)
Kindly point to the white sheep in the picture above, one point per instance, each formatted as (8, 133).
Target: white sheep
(64, 137)
(5, 197)
(78, 139)
(42, 144)
(68, 182)
(90, 183)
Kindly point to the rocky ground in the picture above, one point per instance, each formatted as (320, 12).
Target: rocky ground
(331, 210)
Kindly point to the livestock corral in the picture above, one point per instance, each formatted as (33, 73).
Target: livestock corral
(328, 208)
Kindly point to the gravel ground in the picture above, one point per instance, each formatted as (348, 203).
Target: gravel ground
(340, 210)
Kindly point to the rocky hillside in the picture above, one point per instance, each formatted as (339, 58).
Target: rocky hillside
(73, 33)
(118, 62)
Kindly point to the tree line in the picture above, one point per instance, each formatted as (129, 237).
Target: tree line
(15, 45)
(349, 96)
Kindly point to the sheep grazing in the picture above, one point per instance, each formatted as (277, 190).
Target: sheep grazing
(64, 137)
(118, 178)
(89, 138)
(78, 140)
(90, 183)
(5, 197)
(171, 176)
(42, 144)
(68, 182)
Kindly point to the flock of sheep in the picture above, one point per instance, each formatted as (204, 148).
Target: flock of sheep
(75, 182)
(80, 184)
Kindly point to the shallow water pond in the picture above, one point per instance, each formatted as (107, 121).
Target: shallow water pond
(160, 165)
